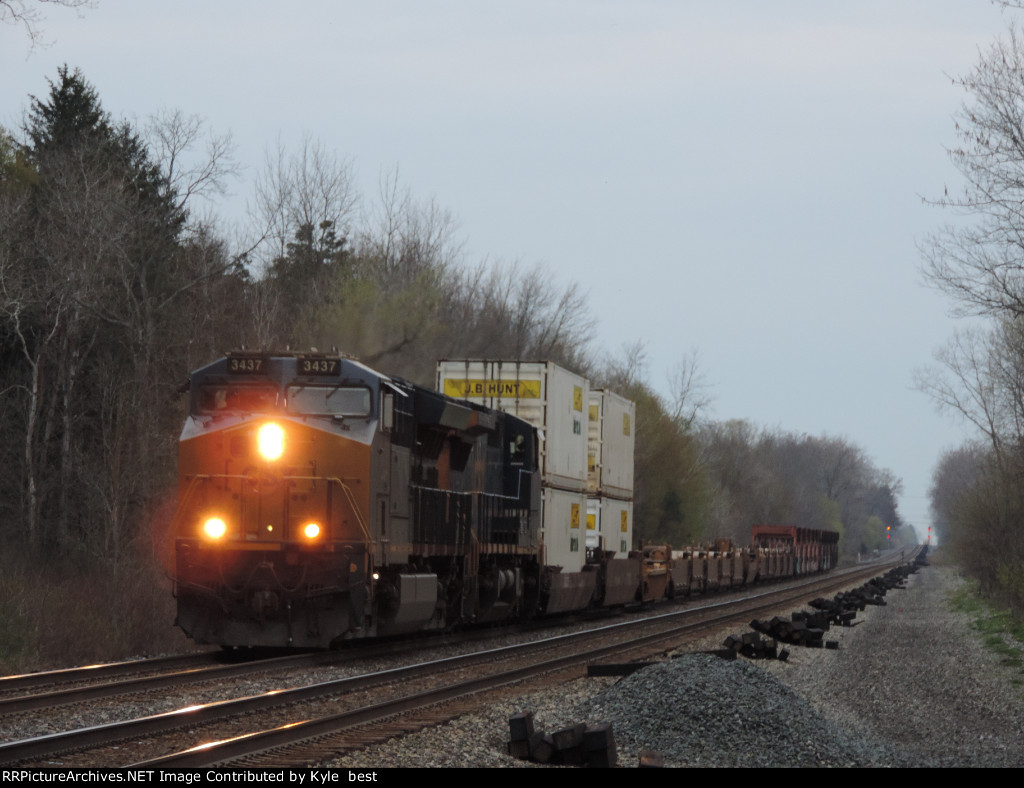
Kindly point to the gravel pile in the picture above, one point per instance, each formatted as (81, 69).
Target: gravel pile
(911, 685)
(699, 710)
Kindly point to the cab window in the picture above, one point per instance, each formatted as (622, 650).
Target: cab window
(235, 399)
(329, 401)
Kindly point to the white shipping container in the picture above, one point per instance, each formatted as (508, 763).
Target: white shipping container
(549, 397)
(610, 522)
(564, 528)
(611, 440)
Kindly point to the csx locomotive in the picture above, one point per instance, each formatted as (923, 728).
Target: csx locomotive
(319, 499)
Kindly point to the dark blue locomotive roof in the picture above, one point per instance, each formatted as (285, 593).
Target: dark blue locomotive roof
(288, 366)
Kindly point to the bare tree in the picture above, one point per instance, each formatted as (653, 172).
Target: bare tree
(264, 308)
(628, 369)
(301, 218)
(521, 313)
(174, 140)
(308, 188)
(689, 390)
(980, 263)
(405, 239)
(980, 381)
(28, 14)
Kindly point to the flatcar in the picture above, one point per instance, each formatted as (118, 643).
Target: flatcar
(776, 552)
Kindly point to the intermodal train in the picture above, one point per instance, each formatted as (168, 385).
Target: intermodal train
(320, 500)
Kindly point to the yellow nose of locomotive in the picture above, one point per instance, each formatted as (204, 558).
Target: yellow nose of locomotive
(248, 487)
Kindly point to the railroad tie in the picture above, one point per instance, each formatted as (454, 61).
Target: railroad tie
(575, 745)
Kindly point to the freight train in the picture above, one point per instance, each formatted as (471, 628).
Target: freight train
(320, 500)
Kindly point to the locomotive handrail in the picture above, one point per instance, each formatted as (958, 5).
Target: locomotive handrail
(495, 495)
(351, 501)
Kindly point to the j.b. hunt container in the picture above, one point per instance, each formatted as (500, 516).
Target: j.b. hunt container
(611, 440)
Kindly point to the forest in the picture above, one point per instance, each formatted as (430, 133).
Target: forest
(120, 273)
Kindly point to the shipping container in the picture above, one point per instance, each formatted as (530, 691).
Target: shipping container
(610, 525)
(549, 397)
(564, 528)
(611, 439)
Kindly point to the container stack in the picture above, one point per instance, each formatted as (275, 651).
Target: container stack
(611, 438)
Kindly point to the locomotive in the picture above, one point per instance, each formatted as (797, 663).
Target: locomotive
(320, 500)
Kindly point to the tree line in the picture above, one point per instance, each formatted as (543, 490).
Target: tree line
(977, 495)
(117, 277)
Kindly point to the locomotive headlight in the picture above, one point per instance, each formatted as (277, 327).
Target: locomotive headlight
(311, 530)
(270, 441)
(215, 528)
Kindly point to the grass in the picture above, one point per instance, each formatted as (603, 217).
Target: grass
(1001, 630)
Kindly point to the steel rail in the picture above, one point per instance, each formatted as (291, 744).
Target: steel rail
(44, 746)
(62, 697)
(101, 671)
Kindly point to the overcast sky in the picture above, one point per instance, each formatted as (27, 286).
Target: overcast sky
(743, 178)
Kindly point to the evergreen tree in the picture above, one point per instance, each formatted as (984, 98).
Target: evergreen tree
(316, 262)
(71, 117)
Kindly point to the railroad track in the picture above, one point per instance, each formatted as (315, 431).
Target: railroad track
(49, 689)
(158, 676)
(354, 711)
(35, 683)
